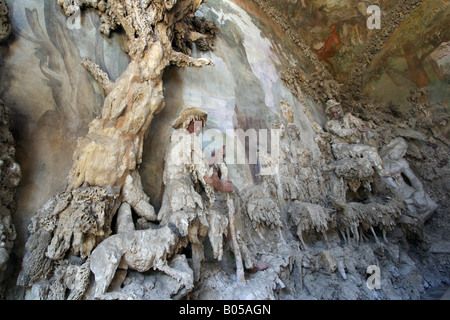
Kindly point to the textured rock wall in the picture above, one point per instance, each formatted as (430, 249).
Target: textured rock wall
(308, 232)
(9, 180)
(10, 174)
(5, 26)
(50, 68)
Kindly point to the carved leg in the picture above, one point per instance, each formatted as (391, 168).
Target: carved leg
(197, 258)
(104, 270)
(355, 232)
(124, 222)
(182, 277)
(348, 236)
(133, 193)
(236, 248)
(362, 234)
(384, 236)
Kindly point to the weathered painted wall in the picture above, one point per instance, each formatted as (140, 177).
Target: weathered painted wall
(52, 97)
(242, 91)
(49, 91)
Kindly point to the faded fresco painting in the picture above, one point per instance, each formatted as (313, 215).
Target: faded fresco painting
(414, 57)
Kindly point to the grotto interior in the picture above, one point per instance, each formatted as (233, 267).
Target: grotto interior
(224, 149)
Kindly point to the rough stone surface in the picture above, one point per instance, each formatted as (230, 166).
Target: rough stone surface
(357, 183)
(5, 25)
(10, 176)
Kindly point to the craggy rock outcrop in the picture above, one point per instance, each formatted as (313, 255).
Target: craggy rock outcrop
(107, 158)
(320, 85)
(5, 25)
(368, 189)
(10, 176)
(72, 222)
(10, 172)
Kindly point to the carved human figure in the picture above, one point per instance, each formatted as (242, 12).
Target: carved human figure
(349, 142)
(291, 156)
(295, 169)
(307, 179)
(286, 169)
(412, 189)
(185, 167)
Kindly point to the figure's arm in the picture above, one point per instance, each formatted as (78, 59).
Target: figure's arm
(351, 121)
(339, 130)
(223, 185)
(204, 173)
(415, 182)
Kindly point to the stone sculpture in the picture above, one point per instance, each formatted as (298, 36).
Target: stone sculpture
(185, 168)
(355, 158)
(141, 250)
(105, 161)
(404, 180)
(184, 217)
(298, 177)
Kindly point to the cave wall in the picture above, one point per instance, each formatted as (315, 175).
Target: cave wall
(53, 99)
(387, 75)
(243, 90)
(42, 60)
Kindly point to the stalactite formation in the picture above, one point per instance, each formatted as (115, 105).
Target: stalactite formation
(104, 171)
(354, 182)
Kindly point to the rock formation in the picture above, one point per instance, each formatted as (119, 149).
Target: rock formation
(352, 183)
(373, 45)
(104, 172)
(5, 26)
(9, 180)
(10, 172)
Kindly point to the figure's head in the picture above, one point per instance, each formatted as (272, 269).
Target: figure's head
(334, 110)
(333, 28)
(192, 119)
(293, 131)
(196, 126)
